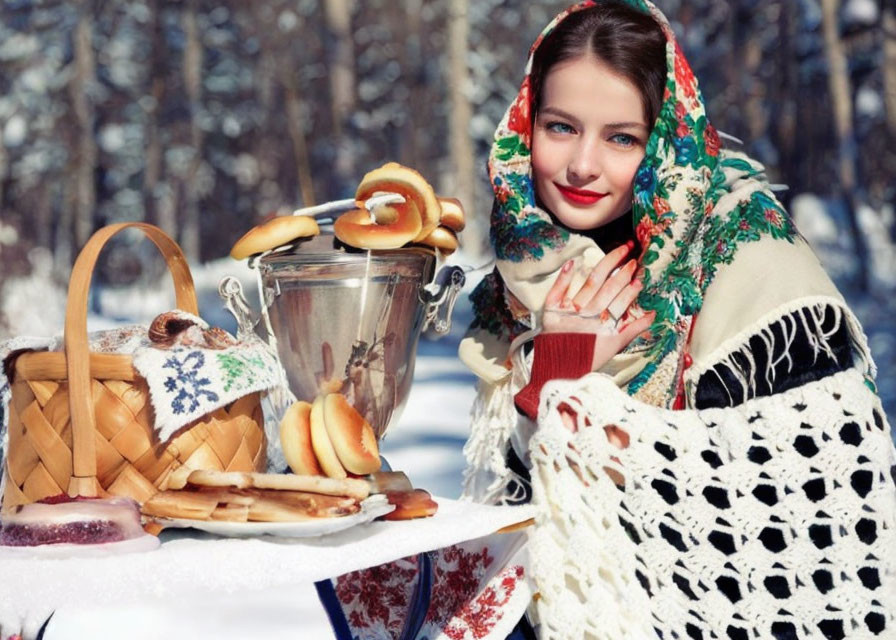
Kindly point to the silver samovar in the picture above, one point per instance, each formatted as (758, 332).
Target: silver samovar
(349, 320)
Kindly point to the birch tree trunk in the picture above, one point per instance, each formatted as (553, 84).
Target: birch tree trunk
(193, 54)
(157, 207)
(413, 62)
(756, 99)
(294, 121)
(4, 168)
(786, 101)
(888, 69)
(735, 36)
(341, 56)
(841, 102)
(280, 99)
(888, 21)
(85, 157)
(460, 140)
(265, 78)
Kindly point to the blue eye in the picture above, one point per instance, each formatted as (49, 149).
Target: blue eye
(624, 139)
(559, 127)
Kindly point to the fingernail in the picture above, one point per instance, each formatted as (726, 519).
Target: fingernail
(576, 307)
(566, 303)
(630, 244)
(567, 266)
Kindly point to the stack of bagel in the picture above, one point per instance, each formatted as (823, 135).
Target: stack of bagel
(422, 218)
(328, 437)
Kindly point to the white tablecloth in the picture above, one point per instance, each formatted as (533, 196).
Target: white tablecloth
(31, 589)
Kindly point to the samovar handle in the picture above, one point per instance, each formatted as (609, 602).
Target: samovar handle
(231, 292)
(440, 297)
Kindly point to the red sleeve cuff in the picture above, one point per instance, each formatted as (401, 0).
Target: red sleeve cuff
(557, 356)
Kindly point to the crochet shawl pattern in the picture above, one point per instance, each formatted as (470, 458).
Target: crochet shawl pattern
(683, 236)
(773, 519)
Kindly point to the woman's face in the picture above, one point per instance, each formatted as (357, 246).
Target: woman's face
(589, 138)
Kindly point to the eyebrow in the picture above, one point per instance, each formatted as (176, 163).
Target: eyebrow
(560, 113)
(625, 125)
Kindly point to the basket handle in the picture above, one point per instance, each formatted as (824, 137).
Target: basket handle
(77, 352)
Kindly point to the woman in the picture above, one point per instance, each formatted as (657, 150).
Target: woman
(642, 267)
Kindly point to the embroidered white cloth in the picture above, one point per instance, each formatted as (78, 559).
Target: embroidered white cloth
(773, 519)
(188, 382)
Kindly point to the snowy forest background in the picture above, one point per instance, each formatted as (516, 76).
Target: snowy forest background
(204, 116)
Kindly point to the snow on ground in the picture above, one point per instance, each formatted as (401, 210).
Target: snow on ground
(426, 441)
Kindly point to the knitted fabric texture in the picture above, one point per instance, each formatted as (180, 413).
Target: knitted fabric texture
(683, 235)
(773, 519)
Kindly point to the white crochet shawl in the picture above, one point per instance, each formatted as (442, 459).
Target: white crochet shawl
(776, 516)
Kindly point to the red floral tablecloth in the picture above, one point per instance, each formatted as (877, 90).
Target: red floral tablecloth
(480, 590)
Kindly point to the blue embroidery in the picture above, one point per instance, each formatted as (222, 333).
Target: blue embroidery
(186, 382)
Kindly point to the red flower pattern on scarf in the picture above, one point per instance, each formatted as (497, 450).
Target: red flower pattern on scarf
(520, 118)
(684, 77)
(713, 143)
(647, 228)
(773, 217)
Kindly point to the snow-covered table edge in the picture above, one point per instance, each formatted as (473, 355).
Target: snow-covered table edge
(31, 589)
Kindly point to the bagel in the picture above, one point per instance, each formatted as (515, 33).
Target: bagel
(351, 435)
(452, 215)
(358, 228)
(320, 442)
(295, 439)
(395, 178)
(443, 239)
(276, 232)
(416, 503)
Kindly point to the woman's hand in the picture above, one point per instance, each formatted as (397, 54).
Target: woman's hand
(600, 306)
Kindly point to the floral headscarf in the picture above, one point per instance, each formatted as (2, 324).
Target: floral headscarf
(683, 236)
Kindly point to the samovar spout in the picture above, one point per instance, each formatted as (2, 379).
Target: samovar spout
(440, 297)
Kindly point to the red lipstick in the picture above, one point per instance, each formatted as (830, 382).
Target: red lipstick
(579, 196)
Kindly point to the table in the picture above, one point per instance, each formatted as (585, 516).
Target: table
(191, 562)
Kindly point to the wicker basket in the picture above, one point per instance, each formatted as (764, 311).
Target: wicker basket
(81, 423)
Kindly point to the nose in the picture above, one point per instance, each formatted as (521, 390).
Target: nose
(585, 164)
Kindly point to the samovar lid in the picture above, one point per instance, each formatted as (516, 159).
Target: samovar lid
(324, 254)
(327, 246)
